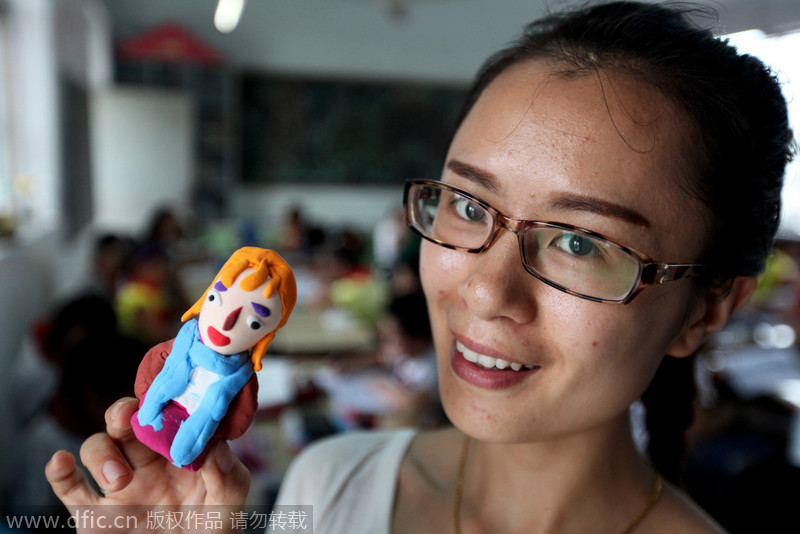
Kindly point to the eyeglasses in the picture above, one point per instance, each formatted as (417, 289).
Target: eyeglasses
(569, 258)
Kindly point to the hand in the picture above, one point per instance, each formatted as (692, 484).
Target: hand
(129, 473)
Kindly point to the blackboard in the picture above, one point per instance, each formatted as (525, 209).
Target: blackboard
(332, 131)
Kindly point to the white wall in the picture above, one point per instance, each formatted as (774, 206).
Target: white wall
(437, 40)
(23, 296)
(46, 39)
(142, 154)
(25, 290)
(32, 88)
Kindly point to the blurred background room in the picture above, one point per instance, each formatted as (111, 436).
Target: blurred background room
(143, 141)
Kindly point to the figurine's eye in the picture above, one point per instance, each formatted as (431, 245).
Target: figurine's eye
(253, 322)
(213, 297)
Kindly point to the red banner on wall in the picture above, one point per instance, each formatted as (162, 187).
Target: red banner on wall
(169, 42)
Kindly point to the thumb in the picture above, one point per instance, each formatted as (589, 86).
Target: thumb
(226, 478)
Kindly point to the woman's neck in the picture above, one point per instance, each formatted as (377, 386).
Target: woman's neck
(552, 484)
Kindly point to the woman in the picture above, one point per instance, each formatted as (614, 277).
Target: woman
(622, 119)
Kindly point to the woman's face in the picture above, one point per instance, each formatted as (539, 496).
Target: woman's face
(605, 153)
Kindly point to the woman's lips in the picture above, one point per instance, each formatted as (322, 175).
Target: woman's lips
(217, 338)
(488, 372)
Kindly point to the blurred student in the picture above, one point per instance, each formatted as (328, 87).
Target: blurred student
(406, 349)
(396, 385)
(97, 368)
(345, 281)
(167, 233)
(36, 371)
(294, 232)
(107, 265)
(143, 303)
(388, 238)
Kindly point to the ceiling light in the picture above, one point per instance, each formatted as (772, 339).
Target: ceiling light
(228, 13)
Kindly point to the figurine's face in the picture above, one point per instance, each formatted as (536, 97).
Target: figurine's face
(232, 320)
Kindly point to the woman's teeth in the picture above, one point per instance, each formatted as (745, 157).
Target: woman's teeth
(487, 361)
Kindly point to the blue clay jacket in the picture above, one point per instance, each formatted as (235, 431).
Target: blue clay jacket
(187, 353)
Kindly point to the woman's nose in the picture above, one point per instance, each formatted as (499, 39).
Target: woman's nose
(497, 284)
(230, 320)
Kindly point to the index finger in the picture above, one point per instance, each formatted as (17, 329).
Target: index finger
(68, 482)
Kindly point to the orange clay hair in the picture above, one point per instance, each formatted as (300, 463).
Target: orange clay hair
(267, 265)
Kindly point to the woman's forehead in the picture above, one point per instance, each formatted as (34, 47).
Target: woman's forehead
(627, 111)
(531, 117)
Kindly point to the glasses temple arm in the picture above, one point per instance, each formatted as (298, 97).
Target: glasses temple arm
(658, 273)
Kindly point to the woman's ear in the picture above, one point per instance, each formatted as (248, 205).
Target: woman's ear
(711, 314)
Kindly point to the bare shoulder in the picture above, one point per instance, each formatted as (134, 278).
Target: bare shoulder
(676, 512)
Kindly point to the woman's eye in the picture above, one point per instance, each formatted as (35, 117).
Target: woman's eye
(576, 245)
(213, 297)
(253, 322)
(469, 210)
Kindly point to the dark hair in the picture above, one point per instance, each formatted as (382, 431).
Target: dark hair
(411, 313)
(107, 242)
(76, 319)
(162, 219)
(741, 148)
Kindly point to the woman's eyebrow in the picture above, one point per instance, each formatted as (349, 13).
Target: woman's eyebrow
(565, 202)
(571, 202)
(478, 176)
(219, 286)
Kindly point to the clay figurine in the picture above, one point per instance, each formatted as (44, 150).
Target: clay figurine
(201, 387)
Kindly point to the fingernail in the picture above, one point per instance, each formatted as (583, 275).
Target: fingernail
(115, 409)
(112, 470)
(224, 458)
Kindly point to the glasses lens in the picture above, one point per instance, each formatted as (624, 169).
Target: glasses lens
(580, 262)
(448, 217)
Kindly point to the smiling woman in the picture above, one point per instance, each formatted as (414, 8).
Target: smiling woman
(605, 143)
(608, 198)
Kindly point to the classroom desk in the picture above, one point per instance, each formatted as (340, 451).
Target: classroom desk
(312, 332)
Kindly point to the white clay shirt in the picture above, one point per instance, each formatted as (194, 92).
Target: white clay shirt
(199, 381)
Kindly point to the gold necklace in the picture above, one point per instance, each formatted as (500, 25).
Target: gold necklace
(459, 486)
(462, 462)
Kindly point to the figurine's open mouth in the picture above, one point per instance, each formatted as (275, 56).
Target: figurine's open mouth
(217, 338)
